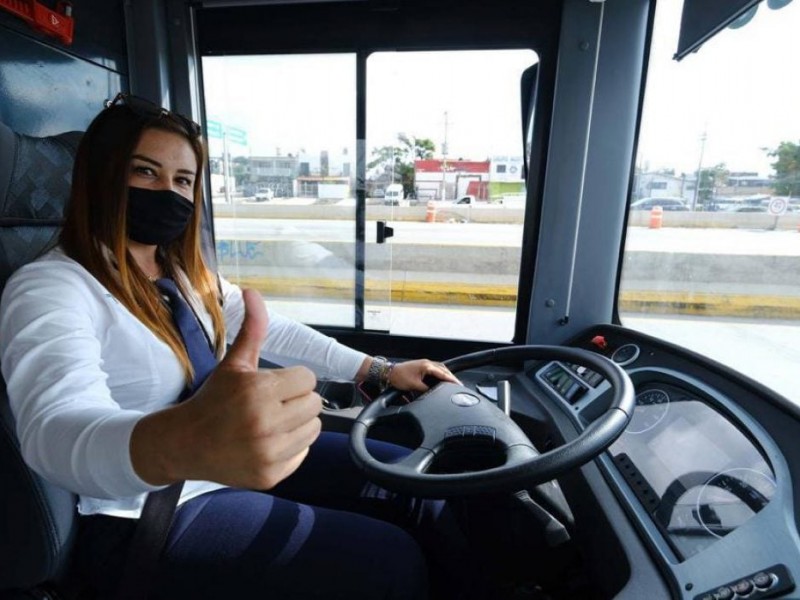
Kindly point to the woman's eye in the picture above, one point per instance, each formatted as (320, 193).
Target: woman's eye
(142, 170)
(184, 181)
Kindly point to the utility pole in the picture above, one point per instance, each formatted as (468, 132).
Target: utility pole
(444, 160)
(699, 169)
(226, 167)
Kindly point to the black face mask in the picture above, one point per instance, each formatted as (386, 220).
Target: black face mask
(157, 217)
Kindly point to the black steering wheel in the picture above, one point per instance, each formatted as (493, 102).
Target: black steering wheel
(454, 419)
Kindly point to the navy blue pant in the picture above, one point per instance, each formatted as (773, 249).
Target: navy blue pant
(325, 532)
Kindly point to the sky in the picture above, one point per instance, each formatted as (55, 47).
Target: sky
(741, 92)
(308, 101)
(742, 89)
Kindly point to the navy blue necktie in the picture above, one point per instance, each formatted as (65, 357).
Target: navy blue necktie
(159, 508)
(194, 338)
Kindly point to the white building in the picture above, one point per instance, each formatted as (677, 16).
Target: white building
(663, 185)
(507, 169)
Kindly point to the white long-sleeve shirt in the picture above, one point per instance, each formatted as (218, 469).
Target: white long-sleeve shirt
(81, 371)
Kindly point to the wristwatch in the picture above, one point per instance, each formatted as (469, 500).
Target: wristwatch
(379, 372)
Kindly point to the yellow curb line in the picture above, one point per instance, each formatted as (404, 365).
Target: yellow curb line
(477, 294)
(421, 292)
(703, 303)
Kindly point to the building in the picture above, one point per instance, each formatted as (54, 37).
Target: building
(276, 173)
(746, 184)
(325, 175)
(507, 169)
(663, 185)
(507, 176)
(748, 180)
(309, 175)
(445, 179)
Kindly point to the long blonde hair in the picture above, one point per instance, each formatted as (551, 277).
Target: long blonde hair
(95, 228)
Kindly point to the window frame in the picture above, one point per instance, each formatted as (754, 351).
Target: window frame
(360, 28)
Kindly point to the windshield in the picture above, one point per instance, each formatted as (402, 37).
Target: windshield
(286, 171)
(713, 239)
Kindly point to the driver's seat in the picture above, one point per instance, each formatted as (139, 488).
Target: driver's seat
(38, 520)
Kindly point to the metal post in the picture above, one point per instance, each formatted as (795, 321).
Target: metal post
(444, 160)
(226, 167)
(699, 169)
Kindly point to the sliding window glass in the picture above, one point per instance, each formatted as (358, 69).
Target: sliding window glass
(282, 143)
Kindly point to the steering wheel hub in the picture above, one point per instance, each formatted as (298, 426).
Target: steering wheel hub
(464, 399)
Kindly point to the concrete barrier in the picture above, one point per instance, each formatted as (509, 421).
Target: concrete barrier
(688, 268)
(653, 282)
(479, 261)
(498, 260)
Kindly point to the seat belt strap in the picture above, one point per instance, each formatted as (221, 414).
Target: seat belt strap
(148, 543)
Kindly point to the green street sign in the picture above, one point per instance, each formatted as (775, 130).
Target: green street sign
(213, 129)
(236, 135)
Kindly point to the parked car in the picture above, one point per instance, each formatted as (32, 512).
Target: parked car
(671, 204)
(264, 195)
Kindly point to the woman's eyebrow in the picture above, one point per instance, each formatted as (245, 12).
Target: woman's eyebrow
(159, 165)
(147, 159)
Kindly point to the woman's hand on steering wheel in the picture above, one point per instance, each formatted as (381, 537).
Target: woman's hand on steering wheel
(416, 375)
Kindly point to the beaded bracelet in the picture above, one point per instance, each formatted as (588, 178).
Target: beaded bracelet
(379, 372)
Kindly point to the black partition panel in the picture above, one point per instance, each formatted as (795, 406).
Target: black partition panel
(702, 19)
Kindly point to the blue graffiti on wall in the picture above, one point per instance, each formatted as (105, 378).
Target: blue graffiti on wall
(228, 250)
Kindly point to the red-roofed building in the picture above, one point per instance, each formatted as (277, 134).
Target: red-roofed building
(451, 179)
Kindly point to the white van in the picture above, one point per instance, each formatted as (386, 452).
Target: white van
(264, 194)
(394, 194)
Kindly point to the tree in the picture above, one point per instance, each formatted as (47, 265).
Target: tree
(397, 161)
(787, 168)
(239, 170)
(710, 179)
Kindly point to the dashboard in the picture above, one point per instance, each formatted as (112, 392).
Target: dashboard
(706, 485)
(696, 496)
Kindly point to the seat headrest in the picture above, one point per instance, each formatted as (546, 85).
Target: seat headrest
(35, 178)
(34, 172)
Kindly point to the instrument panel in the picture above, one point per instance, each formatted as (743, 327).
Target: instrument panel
(698, 475)
(706, 485)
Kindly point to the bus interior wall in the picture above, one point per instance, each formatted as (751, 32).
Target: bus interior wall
(47, 87)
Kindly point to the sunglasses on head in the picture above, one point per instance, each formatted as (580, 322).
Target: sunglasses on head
(145, 108)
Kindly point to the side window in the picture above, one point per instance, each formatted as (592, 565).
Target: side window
(441, 168)
(723, 264)
(282, 142)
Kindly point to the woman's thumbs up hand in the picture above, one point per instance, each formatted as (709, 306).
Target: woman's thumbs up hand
(243, 428)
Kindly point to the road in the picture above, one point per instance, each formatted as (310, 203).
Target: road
(701, 241)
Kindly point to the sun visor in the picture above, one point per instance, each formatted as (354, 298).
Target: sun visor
(702, 19)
